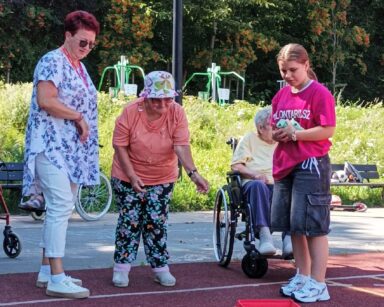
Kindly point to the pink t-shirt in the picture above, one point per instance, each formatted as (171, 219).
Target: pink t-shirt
(314, 106)
(150, 142)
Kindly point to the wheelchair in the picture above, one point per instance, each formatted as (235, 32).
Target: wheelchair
(229, 207)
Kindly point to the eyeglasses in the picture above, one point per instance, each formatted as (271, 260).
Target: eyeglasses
(84, 43)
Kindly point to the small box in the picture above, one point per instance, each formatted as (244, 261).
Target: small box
(267, 303)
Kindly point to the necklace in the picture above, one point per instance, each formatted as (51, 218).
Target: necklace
(78, 68)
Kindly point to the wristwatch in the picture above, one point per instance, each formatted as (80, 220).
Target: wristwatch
(191, 172)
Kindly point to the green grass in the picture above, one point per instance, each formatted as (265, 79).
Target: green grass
(358, 139)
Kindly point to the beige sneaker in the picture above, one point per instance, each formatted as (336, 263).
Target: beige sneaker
(66, 288)
(42, 280)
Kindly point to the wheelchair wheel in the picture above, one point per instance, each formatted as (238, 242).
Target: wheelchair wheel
(224, 229)
(254, 267)
(11, 245)
(94, 201)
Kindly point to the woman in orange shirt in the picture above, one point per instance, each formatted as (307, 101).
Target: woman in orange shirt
(150, 136)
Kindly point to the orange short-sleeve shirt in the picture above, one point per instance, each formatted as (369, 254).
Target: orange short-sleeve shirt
(150, 144)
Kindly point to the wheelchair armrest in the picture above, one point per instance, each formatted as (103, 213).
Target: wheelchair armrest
(234, 183)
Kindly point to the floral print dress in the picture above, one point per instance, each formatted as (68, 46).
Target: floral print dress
(58, 138)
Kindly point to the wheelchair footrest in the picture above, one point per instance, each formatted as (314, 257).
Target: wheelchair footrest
(241, 235)
(250, 247)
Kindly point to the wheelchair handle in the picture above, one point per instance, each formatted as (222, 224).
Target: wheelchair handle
(232, 141)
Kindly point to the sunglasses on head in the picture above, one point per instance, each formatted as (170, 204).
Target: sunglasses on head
(84, 43)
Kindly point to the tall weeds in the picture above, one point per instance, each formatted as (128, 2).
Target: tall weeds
(358, 139)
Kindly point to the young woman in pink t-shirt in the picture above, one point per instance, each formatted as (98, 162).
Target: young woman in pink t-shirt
(303, 116)
(151, 135)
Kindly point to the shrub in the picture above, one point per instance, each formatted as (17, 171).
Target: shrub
(357, 140)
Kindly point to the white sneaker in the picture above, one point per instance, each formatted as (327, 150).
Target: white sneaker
(120, 279)
(287, 247)
(266, 248)
(165, 279)
(42, 280)
(295, 284)
(311, 292)
(66, 288)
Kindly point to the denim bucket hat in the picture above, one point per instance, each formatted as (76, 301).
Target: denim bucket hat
(159, 84)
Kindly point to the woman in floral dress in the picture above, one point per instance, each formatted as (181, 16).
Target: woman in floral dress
(61, 145)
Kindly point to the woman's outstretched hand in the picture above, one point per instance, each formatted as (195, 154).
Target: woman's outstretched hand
(202, 185)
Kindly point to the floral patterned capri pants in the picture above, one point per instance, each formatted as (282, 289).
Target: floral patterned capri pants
(142, 213)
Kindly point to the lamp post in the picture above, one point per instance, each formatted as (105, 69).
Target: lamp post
(177, 48)
(177, 53)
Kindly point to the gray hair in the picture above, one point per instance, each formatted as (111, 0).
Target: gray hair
(263, 116)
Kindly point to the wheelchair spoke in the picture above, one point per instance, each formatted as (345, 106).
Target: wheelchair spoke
(94, 201)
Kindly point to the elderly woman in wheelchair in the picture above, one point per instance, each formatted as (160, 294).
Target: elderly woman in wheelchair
(248, 194)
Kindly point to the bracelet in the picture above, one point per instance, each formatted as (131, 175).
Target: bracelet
(79, 119)
(191, 172)
(293, 136)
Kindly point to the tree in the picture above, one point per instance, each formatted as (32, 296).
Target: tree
(371, 85)
(239, 35)
(128, 30)
(28, 29)
(23, 29)
(334, 39)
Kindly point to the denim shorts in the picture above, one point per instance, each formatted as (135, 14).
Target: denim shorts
(301, 200)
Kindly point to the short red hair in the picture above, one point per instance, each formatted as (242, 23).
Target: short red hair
(77, 20)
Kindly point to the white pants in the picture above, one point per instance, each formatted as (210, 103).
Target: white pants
(60, 195)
